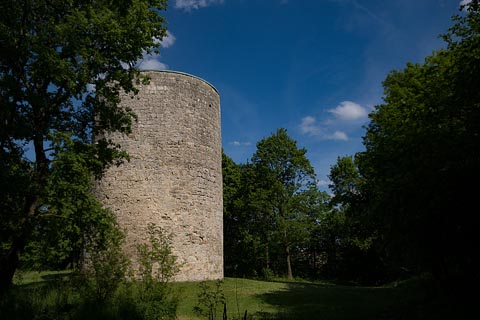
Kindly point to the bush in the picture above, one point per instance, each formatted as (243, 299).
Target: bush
(209, 300)
(107, 267)
(103, 289)
(157, 267)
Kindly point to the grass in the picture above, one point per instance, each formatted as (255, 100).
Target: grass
(31, 277)
(269, 300)
(302, 300)
(240, 295)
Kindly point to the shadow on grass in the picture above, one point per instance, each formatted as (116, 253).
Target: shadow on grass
(319, 301)
(334, 302)
(57, 276)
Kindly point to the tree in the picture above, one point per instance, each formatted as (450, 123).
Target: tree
(284, 172)
(422, 157)
(313, 211)
(73, 221)
(346, 181)
(63, 65)
(349, 232)
(248, 226)
(231, 175)
(351, 198)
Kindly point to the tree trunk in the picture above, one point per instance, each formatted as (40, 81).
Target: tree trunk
(287, 254)
(9, 263)
(289, 263)
(267, 256)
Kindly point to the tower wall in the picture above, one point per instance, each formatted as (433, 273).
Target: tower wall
(174, 177)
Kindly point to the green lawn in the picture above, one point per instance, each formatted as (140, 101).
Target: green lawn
(268, 300)
(302, 300)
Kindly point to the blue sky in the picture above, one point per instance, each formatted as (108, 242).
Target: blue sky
(314, 67)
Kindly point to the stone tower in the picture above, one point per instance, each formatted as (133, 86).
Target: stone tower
(174, 177)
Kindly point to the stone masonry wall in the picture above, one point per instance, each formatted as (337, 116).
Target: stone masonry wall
(174, 177)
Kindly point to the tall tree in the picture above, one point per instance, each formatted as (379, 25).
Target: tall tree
(63, 65)
(313, 211)
(248, 225)
(231, 174)
(354, 249)
(284, 171)
(346, 181)
(422, 158)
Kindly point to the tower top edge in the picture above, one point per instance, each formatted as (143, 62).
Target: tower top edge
(183, 74)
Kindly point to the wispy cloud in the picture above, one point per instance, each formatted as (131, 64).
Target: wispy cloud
(323, 183)
(360, 12)
(311, 127)
(369, 12)
(240, 144)
(345, 117)
(152, 61)
(168, 40)
(189, 5)
(338, 135)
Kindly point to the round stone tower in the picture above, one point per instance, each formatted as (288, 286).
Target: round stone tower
(174, 176)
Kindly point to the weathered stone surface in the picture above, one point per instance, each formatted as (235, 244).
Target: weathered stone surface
(174, 177)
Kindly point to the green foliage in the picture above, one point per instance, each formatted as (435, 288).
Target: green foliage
(355, 251)
(105, 289)
(53, 301)
(63, 65)
(71, 217)
(157, 263)
(284, 172)
(403, 206)
(241, 204)
(412, 188)
(271, 209)
(106, 266)
(209, 300)
(14, 181)
(157, 266)
(346, 181)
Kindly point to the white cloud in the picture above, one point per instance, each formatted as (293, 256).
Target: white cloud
(338, 135)
(168, 40)
(239, 144)
(323, 183)
(310, 127)
(349, 111)
(151, 63)
(188, 5)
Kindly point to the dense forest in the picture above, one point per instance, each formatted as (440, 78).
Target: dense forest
(406, 206)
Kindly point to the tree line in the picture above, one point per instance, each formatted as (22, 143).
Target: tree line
(277, 222)
(405, 206)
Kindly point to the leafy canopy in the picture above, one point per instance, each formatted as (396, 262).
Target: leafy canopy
(63, 67)
(422, 157)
